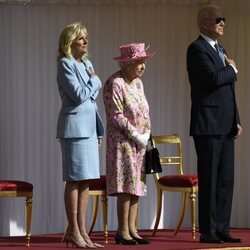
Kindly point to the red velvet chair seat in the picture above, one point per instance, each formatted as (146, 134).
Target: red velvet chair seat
(15, 186)
(16, 189)
(98, 184)
(186, 180)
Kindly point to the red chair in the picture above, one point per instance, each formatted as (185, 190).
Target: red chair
(15, 189)
(184, 183)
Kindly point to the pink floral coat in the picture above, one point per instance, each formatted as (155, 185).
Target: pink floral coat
(126, 111)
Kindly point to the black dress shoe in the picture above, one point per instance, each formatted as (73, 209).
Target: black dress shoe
(121, 241)
(226, 237)
(141, 240)
(210, 238)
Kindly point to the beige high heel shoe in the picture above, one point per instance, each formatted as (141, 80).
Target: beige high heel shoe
(76, 243)
(90, 242)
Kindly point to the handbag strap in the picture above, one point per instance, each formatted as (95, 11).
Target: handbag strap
(150, 142)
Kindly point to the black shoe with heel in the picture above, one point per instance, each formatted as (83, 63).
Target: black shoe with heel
(226, 237)
(210, 238)
(141, 240)
(121, 241)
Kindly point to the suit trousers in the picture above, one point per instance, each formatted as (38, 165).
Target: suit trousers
(215, 165)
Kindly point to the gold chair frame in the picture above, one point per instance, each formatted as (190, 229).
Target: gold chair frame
(28, 207)
(191, 191)
(104, 200)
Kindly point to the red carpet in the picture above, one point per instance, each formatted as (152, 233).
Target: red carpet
(164, 240)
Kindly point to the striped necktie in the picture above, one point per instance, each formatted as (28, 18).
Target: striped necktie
(221, 54)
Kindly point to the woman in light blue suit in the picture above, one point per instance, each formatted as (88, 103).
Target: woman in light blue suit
(79, 128)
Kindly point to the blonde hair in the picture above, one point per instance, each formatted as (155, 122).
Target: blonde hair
(68, 35)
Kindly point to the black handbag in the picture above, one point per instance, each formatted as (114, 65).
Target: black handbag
(152, 159)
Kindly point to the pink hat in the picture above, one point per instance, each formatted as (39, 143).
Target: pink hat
(133, 51)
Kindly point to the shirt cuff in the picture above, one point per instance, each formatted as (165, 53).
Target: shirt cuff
(236, 71)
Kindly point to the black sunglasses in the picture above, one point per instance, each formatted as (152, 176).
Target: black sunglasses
(219, 19)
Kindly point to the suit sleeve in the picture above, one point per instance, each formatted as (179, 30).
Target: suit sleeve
(204, 66)
(99, 125)
(237, 116)
(89, 65)
(71, 85)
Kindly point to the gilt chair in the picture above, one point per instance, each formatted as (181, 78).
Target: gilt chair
(97, 188)
(15, 189)
(186, 184)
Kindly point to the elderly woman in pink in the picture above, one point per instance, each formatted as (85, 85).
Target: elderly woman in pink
(128, 131)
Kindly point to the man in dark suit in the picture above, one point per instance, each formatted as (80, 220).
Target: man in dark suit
(214, 125)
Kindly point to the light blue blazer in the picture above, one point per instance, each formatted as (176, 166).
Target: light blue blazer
(79, 116)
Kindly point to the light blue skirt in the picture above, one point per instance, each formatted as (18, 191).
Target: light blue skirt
(80, 158)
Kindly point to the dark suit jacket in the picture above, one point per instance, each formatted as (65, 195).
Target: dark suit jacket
(214, 110)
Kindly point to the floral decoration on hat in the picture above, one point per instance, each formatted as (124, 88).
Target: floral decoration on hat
(134, 51)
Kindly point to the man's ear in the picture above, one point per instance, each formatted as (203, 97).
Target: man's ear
(204, 25)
